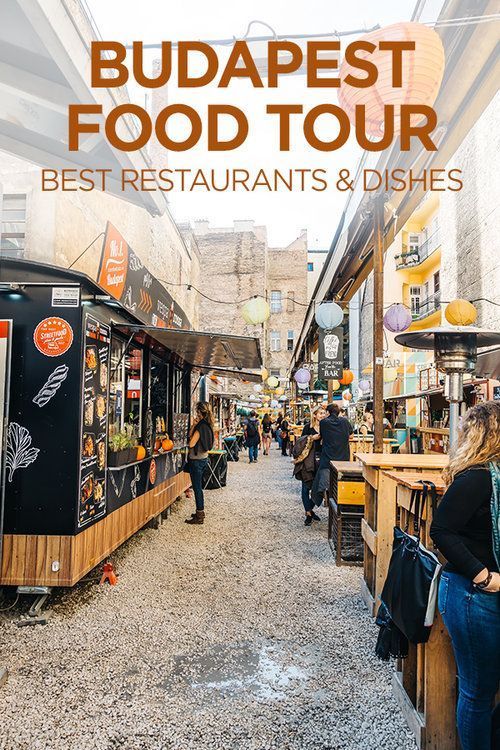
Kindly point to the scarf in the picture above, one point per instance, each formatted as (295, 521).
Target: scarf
(494, 467)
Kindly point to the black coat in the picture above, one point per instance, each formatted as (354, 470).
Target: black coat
(335, 432)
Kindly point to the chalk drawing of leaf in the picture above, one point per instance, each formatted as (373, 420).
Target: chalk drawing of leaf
(19, 453)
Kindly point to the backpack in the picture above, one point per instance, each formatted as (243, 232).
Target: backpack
(251, 429)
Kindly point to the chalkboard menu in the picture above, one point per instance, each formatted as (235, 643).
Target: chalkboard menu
(180, 431)
(92, 504)
(331, 355)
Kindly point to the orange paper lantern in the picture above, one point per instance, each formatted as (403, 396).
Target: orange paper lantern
(422, 73)
(347, 377)
(460, 312)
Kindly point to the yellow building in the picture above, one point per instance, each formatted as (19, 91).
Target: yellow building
(418, 265)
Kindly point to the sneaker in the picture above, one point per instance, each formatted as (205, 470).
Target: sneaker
(315, 517)
(308, 521)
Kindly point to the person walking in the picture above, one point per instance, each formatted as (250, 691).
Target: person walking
(334, 433)
(278, 430)
(312, 428)
(285, 436)
(252, 437)
(267, 426)
(466, 529)
(201, 440)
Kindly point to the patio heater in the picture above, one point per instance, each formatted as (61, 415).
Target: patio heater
(455, 353)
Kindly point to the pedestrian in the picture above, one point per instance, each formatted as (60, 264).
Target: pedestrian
(312, 428)
(285, 436)
(266, 434)
(201, 440)
(252, 437)
(334, 433)
(366, 426)
(278, 430)
(466, 529)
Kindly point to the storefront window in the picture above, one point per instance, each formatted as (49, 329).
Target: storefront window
(158, 393)
(125, 388)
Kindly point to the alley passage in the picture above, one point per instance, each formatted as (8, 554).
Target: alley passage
(237, 634)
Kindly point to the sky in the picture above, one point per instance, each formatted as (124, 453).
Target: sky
(284, 213)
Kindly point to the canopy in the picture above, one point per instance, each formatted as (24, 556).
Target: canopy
(244, 375)
(206, 351)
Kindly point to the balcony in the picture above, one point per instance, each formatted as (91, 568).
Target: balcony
(427, 307)
(416, 256)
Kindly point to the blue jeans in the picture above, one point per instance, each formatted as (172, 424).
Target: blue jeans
(306, 498)
(472, 618)
(196, 468)
(253, 452)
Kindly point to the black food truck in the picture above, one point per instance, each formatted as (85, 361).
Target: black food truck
(97, 418)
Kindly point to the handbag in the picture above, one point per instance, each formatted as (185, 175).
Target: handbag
(410, 589)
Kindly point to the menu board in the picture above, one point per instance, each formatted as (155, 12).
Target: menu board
(92, 503)
(331, 354)
(180, 431)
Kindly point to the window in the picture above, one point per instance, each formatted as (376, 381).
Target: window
(426, 290)
(274, 373)
(415, 300)
(413, 244)
(275, 301)
(289, 341)
(290, 307)
(125, 388)
(275, 340)
(437, 282)
(310, 266)
(158, 393)
(13, 225)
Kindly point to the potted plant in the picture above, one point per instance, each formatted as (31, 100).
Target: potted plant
(121, 450)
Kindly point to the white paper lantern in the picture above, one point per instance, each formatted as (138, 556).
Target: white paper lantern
(257, 388)
(329, 315)
(255, 311)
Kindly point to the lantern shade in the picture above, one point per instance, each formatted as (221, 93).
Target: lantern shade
(364, 386)
(279, 391)
(274, 403)
(346, 395)
(335, 385)
(460, 312)
(347, 377)
(302, 386)
(255, 311)
(273, 382)
(422, 73)
(257, 388)
(329, 315)
(397, 318)
(264, 374)
(302, 376)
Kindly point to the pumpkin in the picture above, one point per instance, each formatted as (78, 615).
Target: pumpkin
(167, 444)
(141, 452)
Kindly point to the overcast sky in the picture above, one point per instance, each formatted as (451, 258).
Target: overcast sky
(284, 213)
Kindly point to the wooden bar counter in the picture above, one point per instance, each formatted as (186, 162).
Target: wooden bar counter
(380, 512)
(425, 683)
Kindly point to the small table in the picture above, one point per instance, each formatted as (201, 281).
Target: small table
(215, 474)
(231, 447)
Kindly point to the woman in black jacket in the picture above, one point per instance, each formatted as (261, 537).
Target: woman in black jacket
(201, 441)
(312, 428)
(466, 529)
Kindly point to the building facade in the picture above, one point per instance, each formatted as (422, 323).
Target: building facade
(237, 264)
(315, 262)
(57, 227)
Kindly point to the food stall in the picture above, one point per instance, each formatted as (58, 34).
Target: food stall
(98, 418)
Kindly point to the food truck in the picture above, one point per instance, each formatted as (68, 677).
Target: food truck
(98, 415)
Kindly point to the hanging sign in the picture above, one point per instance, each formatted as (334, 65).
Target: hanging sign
(123, 275)
(330, 353)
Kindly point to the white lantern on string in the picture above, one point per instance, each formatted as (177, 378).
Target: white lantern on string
(255, 311)
(329, 315)
(257, 388)
(274, 403)
(273, 382)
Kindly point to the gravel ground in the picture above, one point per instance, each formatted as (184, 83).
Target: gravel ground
(239, 634)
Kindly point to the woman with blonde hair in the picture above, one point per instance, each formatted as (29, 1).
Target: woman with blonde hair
(466, 529)
(312, 428)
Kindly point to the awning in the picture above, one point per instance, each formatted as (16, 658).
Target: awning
(243, 375)
(199, 349)
(488, 364)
